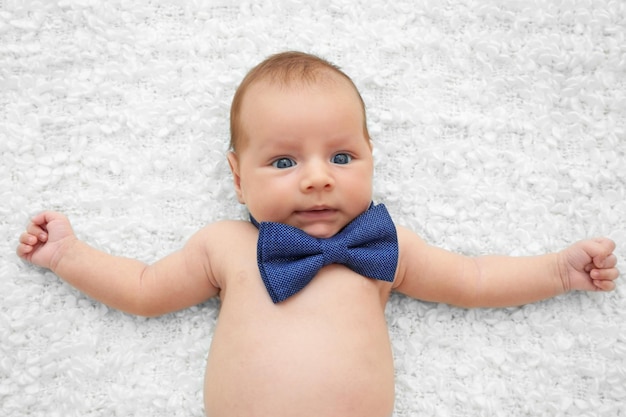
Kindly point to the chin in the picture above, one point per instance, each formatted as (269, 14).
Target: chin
(321, 232)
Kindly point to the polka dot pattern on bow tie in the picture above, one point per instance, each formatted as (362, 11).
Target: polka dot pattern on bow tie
(289, 259)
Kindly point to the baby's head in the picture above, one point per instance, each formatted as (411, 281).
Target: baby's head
(286, 69)
(301, 152)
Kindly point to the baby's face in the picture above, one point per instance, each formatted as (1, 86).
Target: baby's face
(305, 160)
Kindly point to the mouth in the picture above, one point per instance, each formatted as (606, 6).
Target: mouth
(317, 212)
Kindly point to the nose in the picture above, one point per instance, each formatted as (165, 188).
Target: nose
(317, 176)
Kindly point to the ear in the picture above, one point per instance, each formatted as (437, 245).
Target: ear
(233, 162)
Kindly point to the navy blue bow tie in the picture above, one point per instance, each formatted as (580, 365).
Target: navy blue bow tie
(289, 258)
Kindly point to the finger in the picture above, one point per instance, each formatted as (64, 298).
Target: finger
(608, 262)
(28, 239)
(23, 250)
(598, 249)
(39, 219)
(608, 274)
(37, 231)
(606, 242)
(45, 217)
(599, 246)
(604, 285)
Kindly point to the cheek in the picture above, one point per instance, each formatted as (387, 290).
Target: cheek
(363, 177)
(359, 186)
(264, 193)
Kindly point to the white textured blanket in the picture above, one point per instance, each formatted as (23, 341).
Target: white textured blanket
(499, 127)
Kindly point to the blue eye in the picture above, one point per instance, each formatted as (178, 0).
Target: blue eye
(342, 159)
(282, 163)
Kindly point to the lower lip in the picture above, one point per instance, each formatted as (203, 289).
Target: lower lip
(316, 214)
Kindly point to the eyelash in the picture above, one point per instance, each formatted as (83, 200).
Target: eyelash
(278, 162)
(347, 156)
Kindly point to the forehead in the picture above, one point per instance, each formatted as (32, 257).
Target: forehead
(263, 91)
(299, 105)
(285, 94)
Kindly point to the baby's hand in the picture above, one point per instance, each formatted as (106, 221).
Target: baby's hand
(46, 237)
(589, 265)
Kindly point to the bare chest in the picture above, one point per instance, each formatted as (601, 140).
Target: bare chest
(325, 350)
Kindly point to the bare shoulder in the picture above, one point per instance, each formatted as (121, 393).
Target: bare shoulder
(417, 261)
(425, 271)
(409, 243)
(218, 247)
(410, 248)
(407, 236)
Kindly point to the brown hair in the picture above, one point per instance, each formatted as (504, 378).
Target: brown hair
(285, 68)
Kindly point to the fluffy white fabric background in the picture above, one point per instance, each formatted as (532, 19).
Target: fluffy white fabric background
(499, 127)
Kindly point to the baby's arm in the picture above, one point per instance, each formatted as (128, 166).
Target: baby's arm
(179, 280)
(433, 274)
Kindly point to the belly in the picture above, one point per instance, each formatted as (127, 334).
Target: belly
(324, 352)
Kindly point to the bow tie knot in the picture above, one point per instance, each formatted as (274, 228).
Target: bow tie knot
(289, 258)
(335, 251)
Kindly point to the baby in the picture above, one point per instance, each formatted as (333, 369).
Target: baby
(303, 285)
